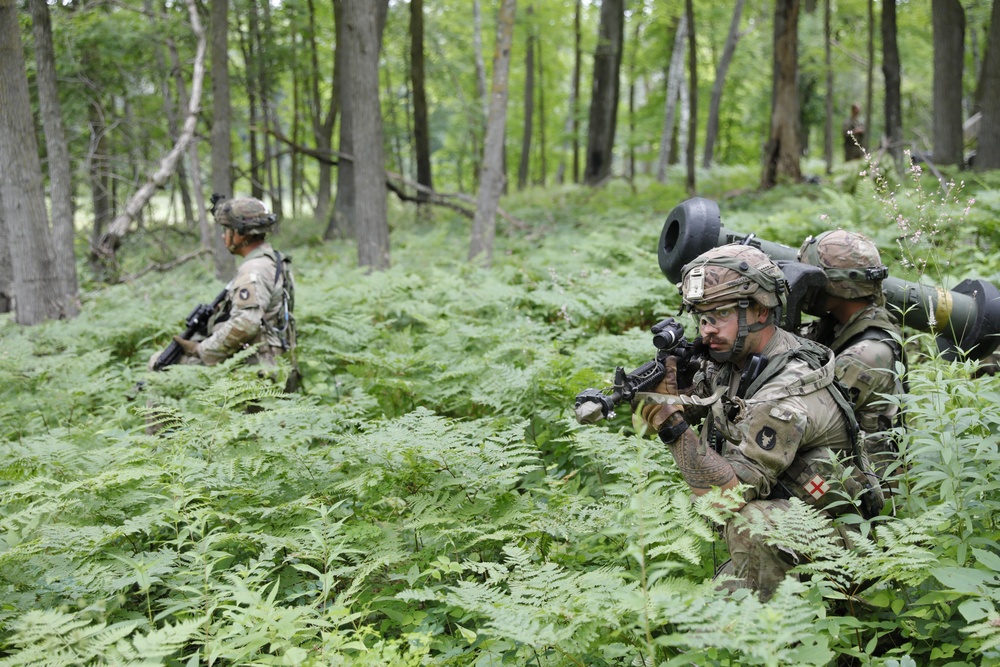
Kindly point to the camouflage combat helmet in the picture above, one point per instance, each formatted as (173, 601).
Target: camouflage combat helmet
(733, 273)
(733, 276)
(850, 261)
(246, 215)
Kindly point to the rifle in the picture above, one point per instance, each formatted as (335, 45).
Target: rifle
(197, 323)
(592, 405)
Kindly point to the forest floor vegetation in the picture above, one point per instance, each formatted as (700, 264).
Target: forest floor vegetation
(428, 499)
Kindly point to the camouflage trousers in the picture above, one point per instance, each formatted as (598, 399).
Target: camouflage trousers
(754, 563)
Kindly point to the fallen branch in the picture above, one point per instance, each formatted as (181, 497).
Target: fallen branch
(166, 266)
(434, 197)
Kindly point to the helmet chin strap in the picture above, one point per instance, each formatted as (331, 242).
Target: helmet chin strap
(234, 248)
(736, 352)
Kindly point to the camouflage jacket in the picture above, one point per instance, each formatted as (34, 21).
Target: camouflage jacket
(792, 434)
(866, 364)
(254, 310)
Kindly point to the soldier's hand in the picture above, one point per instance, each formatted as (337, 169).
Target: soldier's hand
(190, 347)
(152, 360)
(650, 416)
(668, 385)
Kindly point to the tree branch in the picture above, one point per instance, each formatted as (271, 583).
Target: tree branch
(105, 249)
(166, 266)
(436, 198)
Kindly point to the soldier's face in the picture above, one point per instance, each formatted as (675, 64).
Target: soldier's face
(719, 327)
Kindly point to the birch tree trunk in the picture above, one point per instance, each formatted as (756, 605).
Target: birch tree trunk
(119, 227)
(675, 77)
(35, 279)
(712, 128)
(61, 184)
(491, 177)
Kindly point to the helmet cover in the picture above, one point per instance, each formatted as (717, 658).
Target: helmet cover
(733, 273)
(246, 215)
(851, 262)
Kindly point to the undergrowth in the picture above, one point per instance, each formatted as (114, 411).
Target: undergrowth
(428, 499)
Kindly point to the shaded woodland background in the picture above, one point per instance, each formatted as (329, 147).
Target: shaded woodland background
(473, 246)
(123, 117)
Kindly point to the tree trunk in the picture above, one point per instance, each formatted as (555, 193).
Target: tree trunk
(541, 117)
(36, 283)
(529, 103)
(828, 65)
(604, 100)
(421, 129)
(343, 206)
(632, 76)
(491, 177)
(693, 99)
(120, 226)
(477, 48)
(362, 41)
(948, 19)
(675, 78)
(248, 41)
(322, 120)
(97, 170)
(988, 144)
(6, 271)
(712, 129)
(891, 74)
(870, 81)
(222, 142)
(61, 184)
(575, 106)
(783, 150)
(570, 144)
(272, 162)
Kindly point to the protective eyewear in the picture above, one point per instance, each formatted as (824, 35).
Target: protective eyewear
(716, 317)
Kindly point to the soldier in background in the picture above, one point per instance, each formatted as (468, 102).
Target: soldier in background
(771, 416)
(853, 132)
(864, 337)
(257, 310)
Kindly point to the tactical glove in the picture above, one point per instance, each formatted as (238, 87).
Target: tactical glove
(190, 347)
(649, 417)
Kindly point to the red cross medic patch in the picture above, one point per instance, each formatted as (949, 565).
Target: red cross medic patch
(817, 487)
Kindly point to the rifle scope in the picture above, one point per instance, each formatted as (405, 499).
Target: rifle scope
(965, 318)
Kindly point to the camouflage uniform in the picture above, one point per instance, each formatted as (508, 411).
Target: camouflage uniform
(788, 432)
(868, 345)
(253, 312)
(788, 437)
(257, 309)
